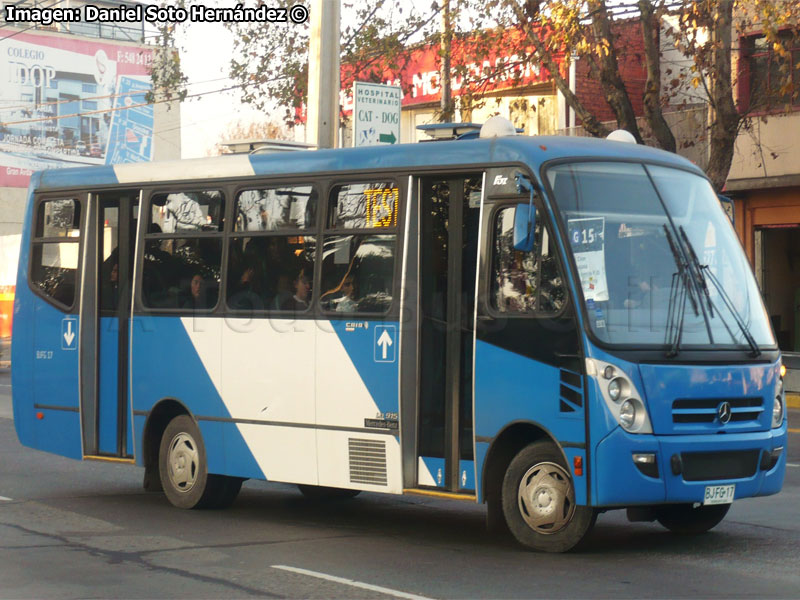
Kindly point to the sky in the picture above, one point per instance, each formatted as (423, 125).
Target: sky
(206, 50)
(205, 53)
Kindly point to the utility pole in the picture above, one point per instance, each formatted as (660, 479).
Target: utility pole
(322, 122)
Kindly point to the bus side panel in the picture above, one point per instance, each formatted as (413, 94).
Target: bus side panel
(45, 366)
(510, 388)
(45, 377)
(357, 405)
(56, 390)
(268, 388)
(22, 357)
(179, 358)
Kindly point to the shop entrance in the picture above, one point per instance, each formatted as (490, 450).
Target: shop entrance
(777, 254)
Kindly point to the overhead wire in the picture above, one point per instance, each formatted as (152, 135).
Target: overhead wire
(93, 98)
(141, 104)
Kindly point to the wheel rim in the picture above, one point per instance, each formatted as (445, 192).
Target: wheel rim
(183, 461)
(546, 498)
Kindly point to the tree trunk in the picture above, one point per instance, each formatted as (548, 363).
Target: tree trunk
(652, 93)
(610, 80)
(588, 120)
(725, 117)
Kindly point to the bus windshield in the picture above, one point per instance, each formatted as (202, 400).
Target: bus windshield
(633, 229)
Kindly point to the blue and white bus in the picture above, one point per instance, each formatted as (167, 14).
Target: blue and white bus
(552, 326)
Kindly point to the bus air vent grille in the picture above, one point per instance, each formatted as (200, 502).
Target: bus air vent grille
(713, 466)
(705, 410)
(570, 392)
(367, 461)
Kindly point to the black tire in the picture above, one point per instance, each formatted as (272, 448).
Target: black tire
(321, 492)
(687, 519)
(559, 524)
(183, 469)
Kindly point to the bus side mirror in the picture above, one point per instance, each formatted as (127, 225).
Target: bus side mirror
(524, 222)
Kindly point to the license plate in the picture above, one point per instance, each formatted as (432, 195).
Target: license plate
(719, 494)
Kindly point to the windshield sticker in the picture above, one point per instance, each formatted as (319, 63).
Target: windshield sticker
(587, 237)
(627, 232)
(600, 320)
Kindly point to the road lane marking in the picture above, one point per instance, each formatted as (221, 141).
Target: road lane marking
(794, 430)
(4, 499)
(353, 583)
(792, 465)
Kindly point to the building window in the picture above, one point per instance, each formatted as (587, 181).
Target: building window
(770, 81)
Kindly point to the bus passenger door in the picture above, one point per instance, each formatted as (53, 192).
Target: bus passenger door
(106, 305)
(528, 366)
(449, 212)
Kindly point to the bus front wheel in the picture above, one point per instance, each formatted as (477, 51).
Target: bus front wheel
(539, 501)
(687, 519)
(183, 469)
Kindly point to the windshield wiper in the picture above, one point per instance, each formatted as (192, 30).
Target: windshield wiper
(701, 272)
(678, 292)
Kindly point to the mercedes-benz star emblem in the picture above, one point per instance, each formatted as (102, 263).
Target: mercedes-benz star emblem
(724, 412)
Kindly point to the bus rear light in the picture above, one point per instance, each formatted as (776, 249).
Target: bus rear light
(577, 464)
(40, 415)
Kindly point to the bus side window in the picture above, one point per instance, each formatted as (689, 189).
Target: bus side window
(357, 273)
(358, 249)
(271, 272)
(524, 282)
(183, 272)
(54, 254)
(170, 266)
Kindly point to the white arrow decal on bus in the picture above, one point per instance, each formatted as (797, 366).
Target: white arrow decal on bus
(69, 336)
(385, 341)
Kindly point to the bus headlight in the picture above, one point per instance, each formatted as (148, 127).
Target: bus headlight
(777, 411)
(627, 414)
(621, 396)
(615, 388)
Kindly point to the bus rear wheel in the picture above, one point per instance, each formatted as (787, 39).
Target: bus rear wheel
(183, 469)
(687, 519)
(539, 501)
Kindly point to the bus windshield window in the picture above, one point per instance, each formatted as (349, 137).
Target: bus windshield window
(615, 217)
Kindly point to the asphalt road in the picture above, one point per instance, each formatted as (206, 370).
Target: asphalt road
(88, 530)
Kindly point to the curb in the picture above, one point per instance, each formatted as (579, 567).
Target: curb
(793, 400)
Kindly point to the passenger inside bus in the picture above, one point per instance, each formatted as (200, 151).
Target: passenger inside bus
(301, 285)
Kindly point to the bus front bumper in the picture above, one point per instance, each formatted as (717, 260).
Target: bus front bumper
(683, 466)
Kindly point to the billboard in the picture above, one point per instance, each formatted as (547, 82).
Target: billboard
(67, 102)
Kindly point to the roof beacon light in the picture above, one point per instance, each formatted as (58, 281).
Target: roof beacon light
(621, 135)
(497, 126)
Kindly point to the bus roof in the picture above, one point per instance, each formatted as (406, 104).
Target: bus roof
(533, 151)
